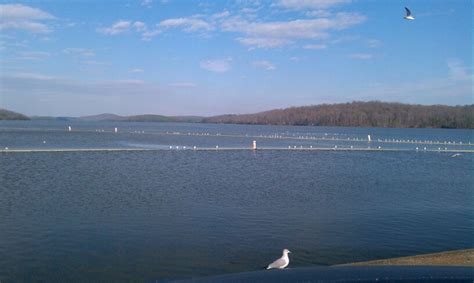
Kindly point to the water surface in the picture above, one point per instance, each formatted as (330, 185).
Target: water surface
(140, 216)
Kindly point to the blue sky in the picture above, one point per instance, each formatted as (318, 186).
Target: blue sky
(237, 56)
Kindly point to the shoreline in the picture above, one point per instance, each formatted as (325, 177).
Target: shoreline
(448, 258)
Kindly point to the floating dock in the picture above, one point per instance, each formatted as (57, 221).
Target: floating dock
(219, 148)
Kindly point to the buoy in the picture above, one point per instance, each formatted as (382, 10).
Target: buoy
(254, 145)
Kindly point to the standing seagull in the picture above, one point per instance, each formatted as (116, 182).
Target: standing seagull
(282, 262)
(408, 16)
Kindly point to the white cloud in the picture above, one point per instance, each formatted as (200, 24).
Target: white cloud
(118, 27)
(149, 34)
(272, 34)
(457, 70)
(310, 4)
(455, 88)
(374, 43)
(263, 42)
(95, 63)
(315, 46)
(22, 17)
(21, 12)
(183, 85)
(79, 52)
(217, 65)
(318, 13)
(188, 24)
(34, 55)
(140, 26)
(34, 76)
(265, 65)
(221, 15)
(146, 3)
(136, 70)
(361, 56)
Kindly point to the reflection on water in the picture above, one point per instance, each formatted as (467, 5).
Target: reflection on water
(121, 216)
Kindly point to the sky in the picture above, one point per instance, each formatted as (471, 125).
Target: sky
(177, 57)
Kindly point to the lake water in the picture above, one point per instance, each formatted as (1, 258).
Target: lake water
(163, 214)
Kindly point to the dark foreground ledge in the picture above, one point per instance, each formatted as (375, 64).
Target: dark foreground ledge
(350, 274)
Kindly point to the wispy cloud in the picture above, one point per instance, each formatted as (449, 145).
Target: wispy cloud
(315, 46)
(277, 33)
(457, 70)
(373, 43)
(217, 65)
(454, 88)
(183, 85)
(361, 56)
(79, 52)
(140, 26)
(22, 17)
(256, 42)
(310, 4)
(34, 55)
(136, 70)
(118, 27)
(265, 65)
(95, 63)
(187, 24)
(146, 3)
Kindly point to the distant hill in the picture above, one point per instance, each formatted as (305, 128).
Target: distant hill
(103, 117)
(10, 115)
(360, 114)
(51, 118)
(142, 118)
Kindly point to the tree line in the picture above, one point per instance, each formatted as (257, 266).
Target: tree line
(360, 114)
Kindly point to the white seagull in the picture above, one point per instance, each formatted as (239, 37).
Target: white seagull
(408, 16)
(282, 262)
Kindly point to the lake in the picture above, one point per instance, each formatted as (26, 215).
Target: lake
(161, 213)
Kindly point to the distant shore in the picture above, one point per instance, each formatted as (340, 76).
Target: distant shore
(353, 114)
(449, 258)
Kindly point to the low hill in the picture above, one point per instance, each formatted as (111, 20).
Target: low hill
(360, 114)
(103, 117)
(142, 118)
(10, 115)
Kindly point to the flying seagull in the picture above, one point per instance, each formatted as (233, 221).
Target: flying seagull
(282, 262)
(408, 16)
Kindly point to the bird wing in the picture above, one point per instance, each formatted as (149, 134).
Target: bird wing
(277, 263)
(408, 11)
